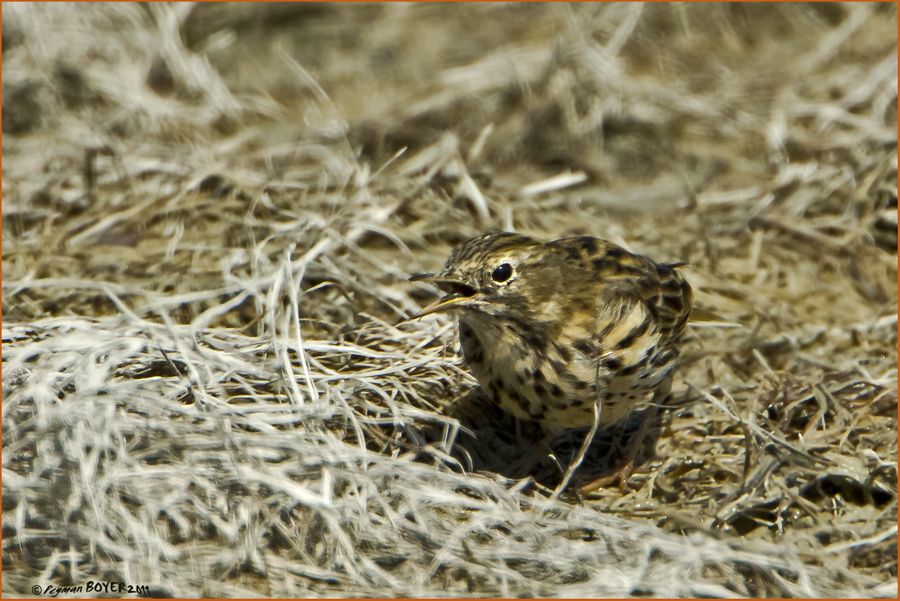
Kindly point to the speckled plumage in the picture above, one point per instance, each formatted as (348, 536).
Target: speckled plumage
(569, 322)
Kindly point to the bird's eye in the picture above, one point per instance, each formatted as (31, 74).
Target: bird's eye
(502, 272)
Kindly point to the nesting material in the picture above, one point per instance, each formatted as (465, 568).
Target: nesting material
(211, 385)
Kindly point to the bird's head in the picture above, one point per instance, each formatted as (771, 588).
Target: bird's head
(492, 274)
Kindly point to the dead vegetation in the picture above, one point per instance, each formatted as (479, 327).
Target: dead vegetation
(209, 213)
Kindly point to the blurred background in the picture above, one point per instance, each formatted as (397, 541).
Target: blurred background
(625, 93)
(209, 215)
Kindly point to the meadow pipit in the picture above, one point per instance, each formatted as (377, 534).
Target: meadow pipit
(570, 333)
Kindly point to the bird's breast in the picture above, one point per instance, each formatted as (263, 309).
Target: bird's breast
(537, 378)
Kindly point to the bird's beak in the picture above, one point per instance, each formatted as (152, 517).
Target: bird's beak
(457, 293)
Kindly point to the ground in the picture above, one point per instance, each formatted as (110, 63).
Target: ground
(211, 384)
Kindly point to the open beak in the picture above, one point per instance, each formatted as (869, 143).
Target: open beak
(456, 293)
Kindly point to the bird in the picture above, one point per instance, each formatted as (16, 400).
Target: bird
(576, 332)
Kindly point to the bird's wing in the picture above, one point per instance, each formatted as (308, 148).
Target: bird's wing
(672, 299)
(625, 277)
(641, 307)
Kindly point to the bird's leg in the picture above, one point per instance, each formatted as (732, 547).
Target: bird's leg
(623, 473)
(585, 444)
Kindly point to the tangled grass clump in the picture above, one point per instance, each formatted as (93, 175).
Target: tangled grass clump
(211, 384)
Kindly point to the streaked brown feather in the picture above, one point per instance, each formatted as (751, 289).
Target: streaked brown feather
(582, 320)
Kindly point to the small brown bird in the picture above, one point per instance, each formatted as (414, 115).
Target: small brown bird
(553, 330)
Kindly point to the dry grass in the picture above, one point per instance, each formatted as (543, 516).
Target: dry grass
(209, 212)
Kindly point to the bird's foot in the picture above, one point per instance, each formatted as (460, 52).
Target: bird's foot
(619, 477)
